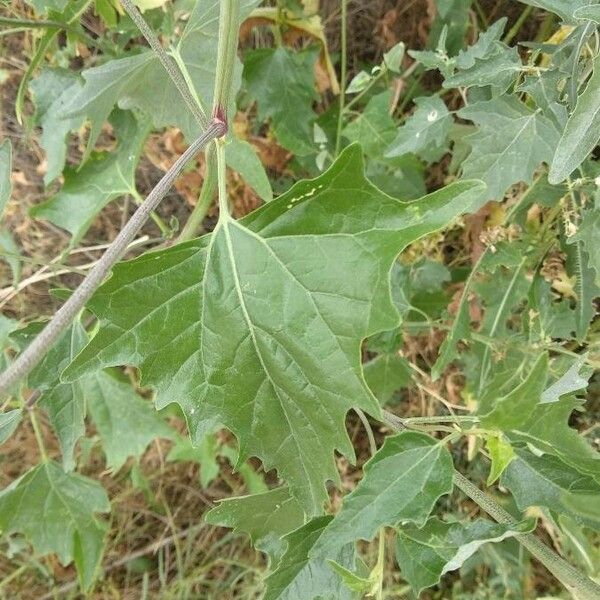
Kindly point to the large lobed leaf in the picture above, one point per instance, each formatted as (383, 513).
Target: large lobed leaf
(258, 326)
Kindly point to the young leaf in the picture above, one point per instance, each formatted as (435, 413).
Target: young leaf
(459, 331)
(498, 69)
(266, 518)
(401, 483)
(485, 46)
(386, 374)
(501, 453)
(102, 179)
(52, 90)
(547, 481)
(373, 129)
(514, 408)
(282, 82)
(55, 511)
(114, 407)
(292, 262)
(428, 127)
(9, 421)
(510, 144)
(582, 132)
(426, 554)
(300, 577)
(573, 380)
(204, 453)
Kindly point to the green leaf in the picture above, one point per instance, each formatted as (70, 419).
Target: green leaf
(498, 69)
(426, 554)
(126, 423)
(373, 129)
(484, 47)
(52, 90)
(266, 518)
(300, 577)
(565, 9)
(241, 157)
(548, 482)
(401, 483)
(573, 380)
(588, 234)
(105, 177)
(501, 453)
(460, 330)
(545, 89)
(204, 453)
(55, 511)
(386, 374)
(514, 408)
(10, 252)
(582, 132)
(9, 421)
(591, 12)
(511, 142)
(547, 430)
(426, 128)
(5, 171)
(282, 82)
(64, 402)
(320, 254)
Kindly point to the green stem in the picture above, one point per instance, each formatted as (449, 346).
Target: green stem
(222, 181)
(577, 583)
(343, 76)
(38, 434)
(441, 419)
(164, 228)
(205, 200)
(514, 30)
(226, 53)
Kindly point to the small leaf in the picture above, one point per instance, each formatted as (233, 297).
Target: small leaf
(282, 82)
(386, 374)
(484, 47)
(575, 379)
(204, 453)
(460, 330)
(427, 127)
(393, 57)
(547, 481)
(102, 179)
(359, 82)
(401, 483)
(55, 511)
(582, 131)
(514, 408)
(300, 577)
(510, 144)
(373, 129)
(9, 421)
(115, 407)
(266, 518)
(588, 234)
(501, 453)
(426, 554)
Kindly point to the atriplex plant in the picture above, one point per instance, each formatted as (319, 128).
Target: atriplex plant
(258, 326)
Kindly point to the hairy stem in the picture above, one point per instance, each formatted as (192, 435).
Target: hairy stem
(34, 353)
(209, 186)
(582, 587)
(343, 76)
(167, 62)
(227, 51)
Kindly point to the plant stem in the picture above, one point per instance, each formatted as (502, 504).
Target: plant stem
(168, 63)
(34, 353)
(514, 30)
(368, 429)
(582, 587)
(226, 53)
(222, 182)
(209, 186)
(38, 433)
(343, 76)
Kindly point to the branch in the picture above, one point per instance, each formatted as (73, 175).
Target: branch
(580, 586)
(34, 353)
(167, 62)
